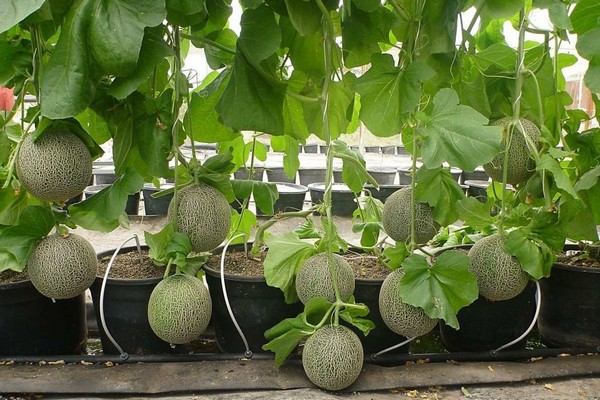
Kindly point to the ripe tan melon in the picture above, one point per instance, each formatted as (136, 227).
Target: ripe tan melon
(333, 357)
(62, 267)
(314, 278)
(203, 214)
(520, 164)
(57, 167)
(179, 309)
(403, 319)
(396, 218)
(499, 274)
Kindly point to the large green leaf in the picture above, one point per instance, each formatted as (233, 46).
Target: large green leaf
(457, 134)
(535, 257)
(289, 146)
(339, 101)
(105, 210)
(250, 101)
(501, 8)
(475, 213)
(441, 289)
(585, 16)
(218, 57)
(551, 165)
(201, 120)
(68, 84)
(153, 139)
(389, 93)
(17, 10)
(285, 256)
(260, 35)
(117, 30)
(441, 191)
(305, 52)
(153, 51)
(304, 15)
(354, 172)
(13, 57)
(18, 241)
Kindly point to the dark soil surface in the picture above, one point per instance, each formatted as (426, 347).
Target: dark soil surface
(129, 266)
(578, 258)
(366, 266)
(238, 263)
(12, 277)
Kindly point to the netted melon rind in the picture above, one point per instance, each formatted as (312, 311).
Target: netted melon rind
(401, 318)
(499, 274)
(396, 218)
(57, 167)
(520, 164)
(204, 215)
(333, 357)
(314, 278)
(179, 309)
(62, 267)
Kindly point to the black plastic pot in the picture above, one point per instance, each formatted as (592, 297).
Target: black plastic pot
(311, 148)
(570, 313)
(486, 325)
(383, 176)
(307, 175)
(342, 198)
(384, 191)
(277, 174)
(478, 174)
(388, 149)
(477, 189)
(244, 174)
(133, 200)
(255, 305)
(381, 337)
(291, 198)
(104, 175)
(156, 205)
(32, 324)
(372, 149)
(126, 314)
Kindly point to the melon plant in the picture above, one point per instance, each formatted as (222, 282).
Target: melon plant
(57, 167)
(397, 215)
(402, 318)
(521, 165)
(203, 214)
(62, 266)
(179, 308)
(314, 278)
(499, 274)
(333, 357)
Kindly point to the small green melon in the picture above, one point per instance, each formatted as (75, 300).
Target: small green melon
(396, 218)
(203, 214)
(57, 167)
(179, 309)
(403, 319)
(499, 274)
(333, 357)
(520, 164)
(62, 266)
(314, 278)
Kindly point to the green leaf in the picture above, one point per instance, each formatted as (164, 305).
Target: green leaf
(289, 146)
(251, 102)
(305, 16)
(457, 134)
(340, 99)
(442, 289)
(260, 35)
(242, 223)
(105, 210)
(286, 254)
(386, 91)
(153, 139)
(217, 57)
(354, 316)
(265, 195)
(354, 172)
(157, 243)
(362, 32)
(284, 344)
(201, 121)
(153, 51)
(438, 188)
(499, 55)
(307, 230)
(12, 203)
(475, 213)
(14, 57)
(68, 85)
(18, 241)
(502, 8)
(547, 163)
(16, 11)
(585, 16)
(395, 256)
(117, 30)
(535, 256)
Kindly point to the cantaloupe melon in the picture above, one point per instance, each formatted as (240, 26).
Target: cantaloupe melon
(403, 319)
(396, 218)
(520, 164)
(314, 278)
(179, 309)
(57, 167)
(499, 274)
(203, 214)
(333, 357)
(62, 266)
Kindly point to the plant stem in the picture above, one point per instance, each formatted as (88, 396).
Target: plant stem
(259, 238)
(176, 104)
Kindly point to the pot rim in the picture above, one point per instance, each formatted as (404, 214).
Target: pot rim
(123, 281)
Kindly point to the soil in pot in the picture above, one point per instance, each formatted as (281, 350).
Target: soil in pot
(369, 276)
(32, 324)
(570, 313)
(126, 296)
(256, 305)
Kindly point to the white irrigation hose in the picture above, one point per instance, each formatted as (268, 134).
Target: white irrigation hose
(394, 347)
(124, 355)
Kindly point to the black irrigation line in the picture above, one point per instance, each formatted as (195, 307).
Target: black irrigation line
(386, 359)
